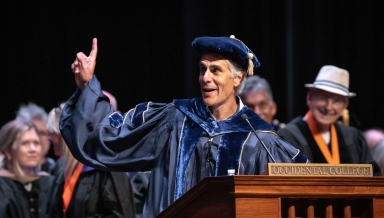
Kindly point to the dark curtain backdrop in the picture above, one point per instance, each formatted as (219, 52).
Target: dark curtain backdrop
(145, 51)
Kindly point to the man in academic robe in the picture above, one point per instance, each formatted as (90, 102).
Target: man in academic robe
(317, 134)
(181, 142)
(257, 96)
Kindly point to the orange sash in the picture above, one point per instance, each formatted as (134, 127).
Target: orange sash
(333, 158)
(69, 186)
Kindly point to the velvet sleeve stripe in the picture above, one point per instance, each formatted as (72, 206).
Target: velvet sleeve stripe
(116, 120)
(146, 111)
(241, 152)
(126, 115)
(138, 116)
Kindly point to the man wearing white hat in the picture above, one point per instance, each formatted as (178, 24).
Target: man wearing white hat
(318, 134)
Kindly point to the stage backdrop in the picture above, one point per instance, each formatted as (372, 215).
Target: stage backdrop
(145, 51)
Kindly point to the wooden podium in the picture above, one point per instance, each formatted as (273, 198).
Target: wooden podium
(274, 196)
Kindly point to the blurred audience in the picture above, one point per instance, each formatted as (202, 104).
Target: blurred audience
(318, 133)
(57, 141)
(1, 159)
(375, 142)
(23, 188)
(257, 95)
(139, 180)
(38, 116)
(82, 191)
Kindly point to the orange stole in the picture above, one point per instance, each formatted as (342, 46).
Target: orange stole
(333, 158)
(69, 186)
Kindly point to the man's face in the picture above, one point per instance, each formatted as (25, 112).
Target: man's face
(43, 132)
(217, 85)
(260, 103)
(326, 107)
(29, 150)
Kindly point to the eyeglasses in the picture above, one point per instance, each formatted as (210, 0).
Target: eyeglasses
(336, 101)
(262, 105)
(43, 134)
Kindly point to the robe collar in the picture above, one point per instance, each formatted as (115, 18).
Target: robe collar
(229, 149)
(196, 110)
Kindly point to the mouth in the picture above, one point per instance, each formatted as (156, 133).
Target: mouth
(325, 113)
(207, 90)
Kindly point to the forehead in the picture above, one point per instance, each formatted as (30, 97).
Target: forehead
(256, 96)
(40, 125)
(26, 135)
(319, 92)
(260, 93)
(211, 57)
(30, 133)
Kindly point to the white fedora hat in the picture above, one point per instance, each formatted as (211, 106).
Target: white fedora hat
(332, 79)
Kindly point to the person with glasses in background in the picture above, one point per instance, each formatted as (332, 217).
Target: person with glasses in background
(318, 134)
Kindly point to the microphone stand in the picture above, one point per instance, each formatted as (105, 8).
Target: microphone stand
(245, 117)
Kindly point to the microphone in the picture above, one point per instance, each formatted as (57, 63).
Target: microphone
(245, 117)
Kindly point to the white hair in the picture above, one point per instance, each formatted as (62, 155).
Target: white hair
(31, 112)
(255, 84)
(236, 70)
(53, 120)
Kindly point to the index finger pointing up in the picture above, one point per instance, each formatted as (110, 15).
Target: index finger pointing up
(93, 53)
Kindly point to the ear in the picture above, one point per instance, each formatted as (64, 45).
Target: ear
(309, 98)
(345, 107)
(239, 78)
(273, 108)
(7, 154)
(347, 103)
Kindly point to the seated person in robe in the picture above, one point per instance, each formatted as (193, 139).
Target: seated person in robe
(318, 134)
(257, 95)
(82, 191)
(23, 187)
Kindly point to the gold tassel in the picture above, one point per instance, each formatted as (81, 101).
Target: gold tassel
(345, 117)
(250, 65)
(250, 56)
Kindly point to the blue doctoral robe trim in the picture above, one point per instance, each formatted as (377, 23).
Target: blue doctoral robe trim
(199, 120)
(196, 110)
(190, 137)
(116, 120)
(139, 110)
(87, 169)
(229, 152)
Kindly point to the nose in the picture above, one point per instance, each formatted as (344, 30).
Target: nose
(257, 110)
(207, 76)
(32, 146)
(329, 104)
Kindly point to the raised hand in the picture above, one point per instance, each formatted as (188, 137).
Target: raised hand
(84, 67)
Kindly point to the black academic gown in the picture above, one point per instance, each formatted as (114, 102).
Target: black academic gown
(352, 145)
(96, 194)
(181, 143)
(17, 202)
